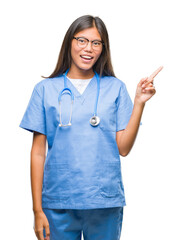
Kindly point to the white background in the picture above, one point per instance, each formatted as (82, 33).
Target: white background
(143, 36)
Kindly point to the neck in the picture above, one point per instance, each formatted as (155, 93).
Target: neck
(80, 73)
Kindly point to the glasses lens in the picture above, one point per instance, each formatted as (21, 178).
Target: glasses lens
(82, 42)
(96, 45)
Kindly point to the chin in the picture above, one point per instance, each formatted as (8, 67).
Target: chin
(86, 68)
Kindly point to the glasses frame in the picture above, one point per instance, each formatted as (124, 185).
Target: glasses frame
(77, 38)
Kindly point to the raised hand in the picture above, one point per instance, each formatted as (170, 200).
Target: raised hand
(145, 88)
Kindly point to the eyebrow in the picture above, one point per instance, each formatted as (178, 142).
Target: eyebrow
(91, 40)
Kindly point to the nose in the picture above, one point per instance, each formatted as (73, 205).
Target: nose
(88, 47)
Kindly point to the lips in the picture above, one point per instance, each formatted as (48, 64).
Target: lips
(86, 57)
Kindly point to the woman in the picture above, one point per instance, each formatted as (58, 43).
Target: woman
(77, 187)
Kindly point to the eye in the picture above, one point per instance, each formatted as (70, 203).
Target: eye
(81, 40)
(96, 43)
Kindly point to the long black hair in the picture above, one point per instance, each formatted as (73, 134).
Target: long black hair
(103, 65)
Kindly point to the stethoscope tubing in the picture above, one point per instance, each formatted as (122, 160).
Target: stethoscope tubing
(94, 117)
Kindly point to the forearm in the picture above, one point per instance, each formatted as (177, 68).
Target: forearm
(37, 169)
(128, 135)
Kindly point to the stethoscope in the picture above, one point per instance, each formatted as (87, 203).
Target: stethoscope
(94, 120)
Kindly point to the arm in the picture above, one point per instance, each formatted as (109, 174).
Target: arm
(145, 90)
(37, 169)
(126, 138)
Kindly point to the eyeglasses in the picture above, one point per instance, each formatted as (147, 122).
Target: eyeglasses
(82, 42)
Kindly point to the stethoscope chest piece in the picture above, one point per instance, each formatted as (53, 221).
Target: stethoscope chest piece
(94, 121)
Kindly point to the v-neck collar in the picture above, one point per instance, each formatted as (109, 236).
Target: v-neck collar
(92, 86)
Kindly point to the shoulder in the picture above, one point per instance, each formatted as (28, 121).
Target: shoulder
(47, 83)
(112, 81)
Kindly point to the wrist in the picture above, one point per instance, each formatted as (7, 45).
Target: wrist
(37, 210)
(139, 103)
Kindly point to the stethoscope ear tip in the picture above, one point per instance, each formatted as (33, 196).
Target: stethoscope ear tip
(62, 125)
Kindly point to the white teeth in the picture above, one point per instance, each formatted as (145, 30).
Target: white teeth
(87, 57)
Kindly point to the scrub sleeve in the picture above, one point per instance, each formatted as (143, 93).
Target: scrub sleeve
(124, 109)
(34, 116)
(99, 223)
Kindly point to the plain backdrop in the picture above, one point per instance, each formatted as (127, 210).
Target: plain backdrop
(143, 36)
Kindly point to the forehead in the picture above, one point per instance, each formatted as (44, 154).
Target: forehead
(90, 33)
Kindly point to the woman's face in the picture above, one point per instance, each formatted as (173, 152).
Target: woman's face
(78, 53)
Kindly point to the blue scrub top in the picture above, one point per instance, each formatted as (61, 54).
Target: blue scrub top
(82, 168)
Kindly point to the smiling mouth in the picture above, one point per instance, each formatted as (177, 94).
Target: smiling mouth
(86, 57)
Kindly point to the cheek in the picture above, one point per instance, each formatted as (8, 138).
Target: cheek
(97, 56)
(75, 52)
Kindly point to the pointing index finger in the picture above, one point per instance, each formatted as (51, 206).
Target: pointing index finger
(155, 72)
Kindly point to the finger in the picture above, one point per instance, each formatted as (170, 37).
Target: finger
(47, 230)
(155, 73)
(149, 81)
(149, 89)
(142, 81)
(150, 84)
(39, 234)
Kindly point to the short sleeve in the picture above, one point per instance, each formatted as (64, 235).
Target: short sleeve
(34, 116)
(124, 108)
